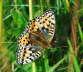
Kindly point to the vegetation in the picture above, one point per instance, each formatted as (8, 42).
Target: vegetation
(66, 54)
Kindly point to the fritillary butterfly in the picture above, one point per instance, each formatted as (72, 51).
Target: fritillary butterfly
(36, 37)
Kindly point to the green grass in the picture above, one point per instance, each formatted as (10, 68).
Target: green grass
(16, 15)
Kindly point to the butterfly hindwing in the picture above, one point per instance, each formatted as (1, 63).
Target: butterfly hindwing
(27, 54)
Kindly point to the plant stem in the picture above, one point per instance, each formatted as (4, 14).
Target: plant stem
(74, 22)
(30, 9)
(30, 17)
(4, 65)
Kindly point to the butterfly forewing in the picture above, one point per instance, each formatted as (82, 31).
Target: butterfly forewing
(46, 23)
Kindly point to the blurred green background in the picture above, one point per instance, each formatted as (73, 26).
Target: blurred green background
(65, 56)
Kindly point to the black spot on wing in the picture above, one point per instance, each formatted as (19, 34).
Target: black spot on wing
(31, 59)
(45, 19)
(52, 18)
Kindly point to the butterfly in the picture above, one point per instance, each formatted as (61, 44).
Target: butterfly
(36, 37)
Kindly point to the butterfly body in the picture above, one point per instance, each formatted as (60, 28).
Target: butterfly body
(36, 38)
